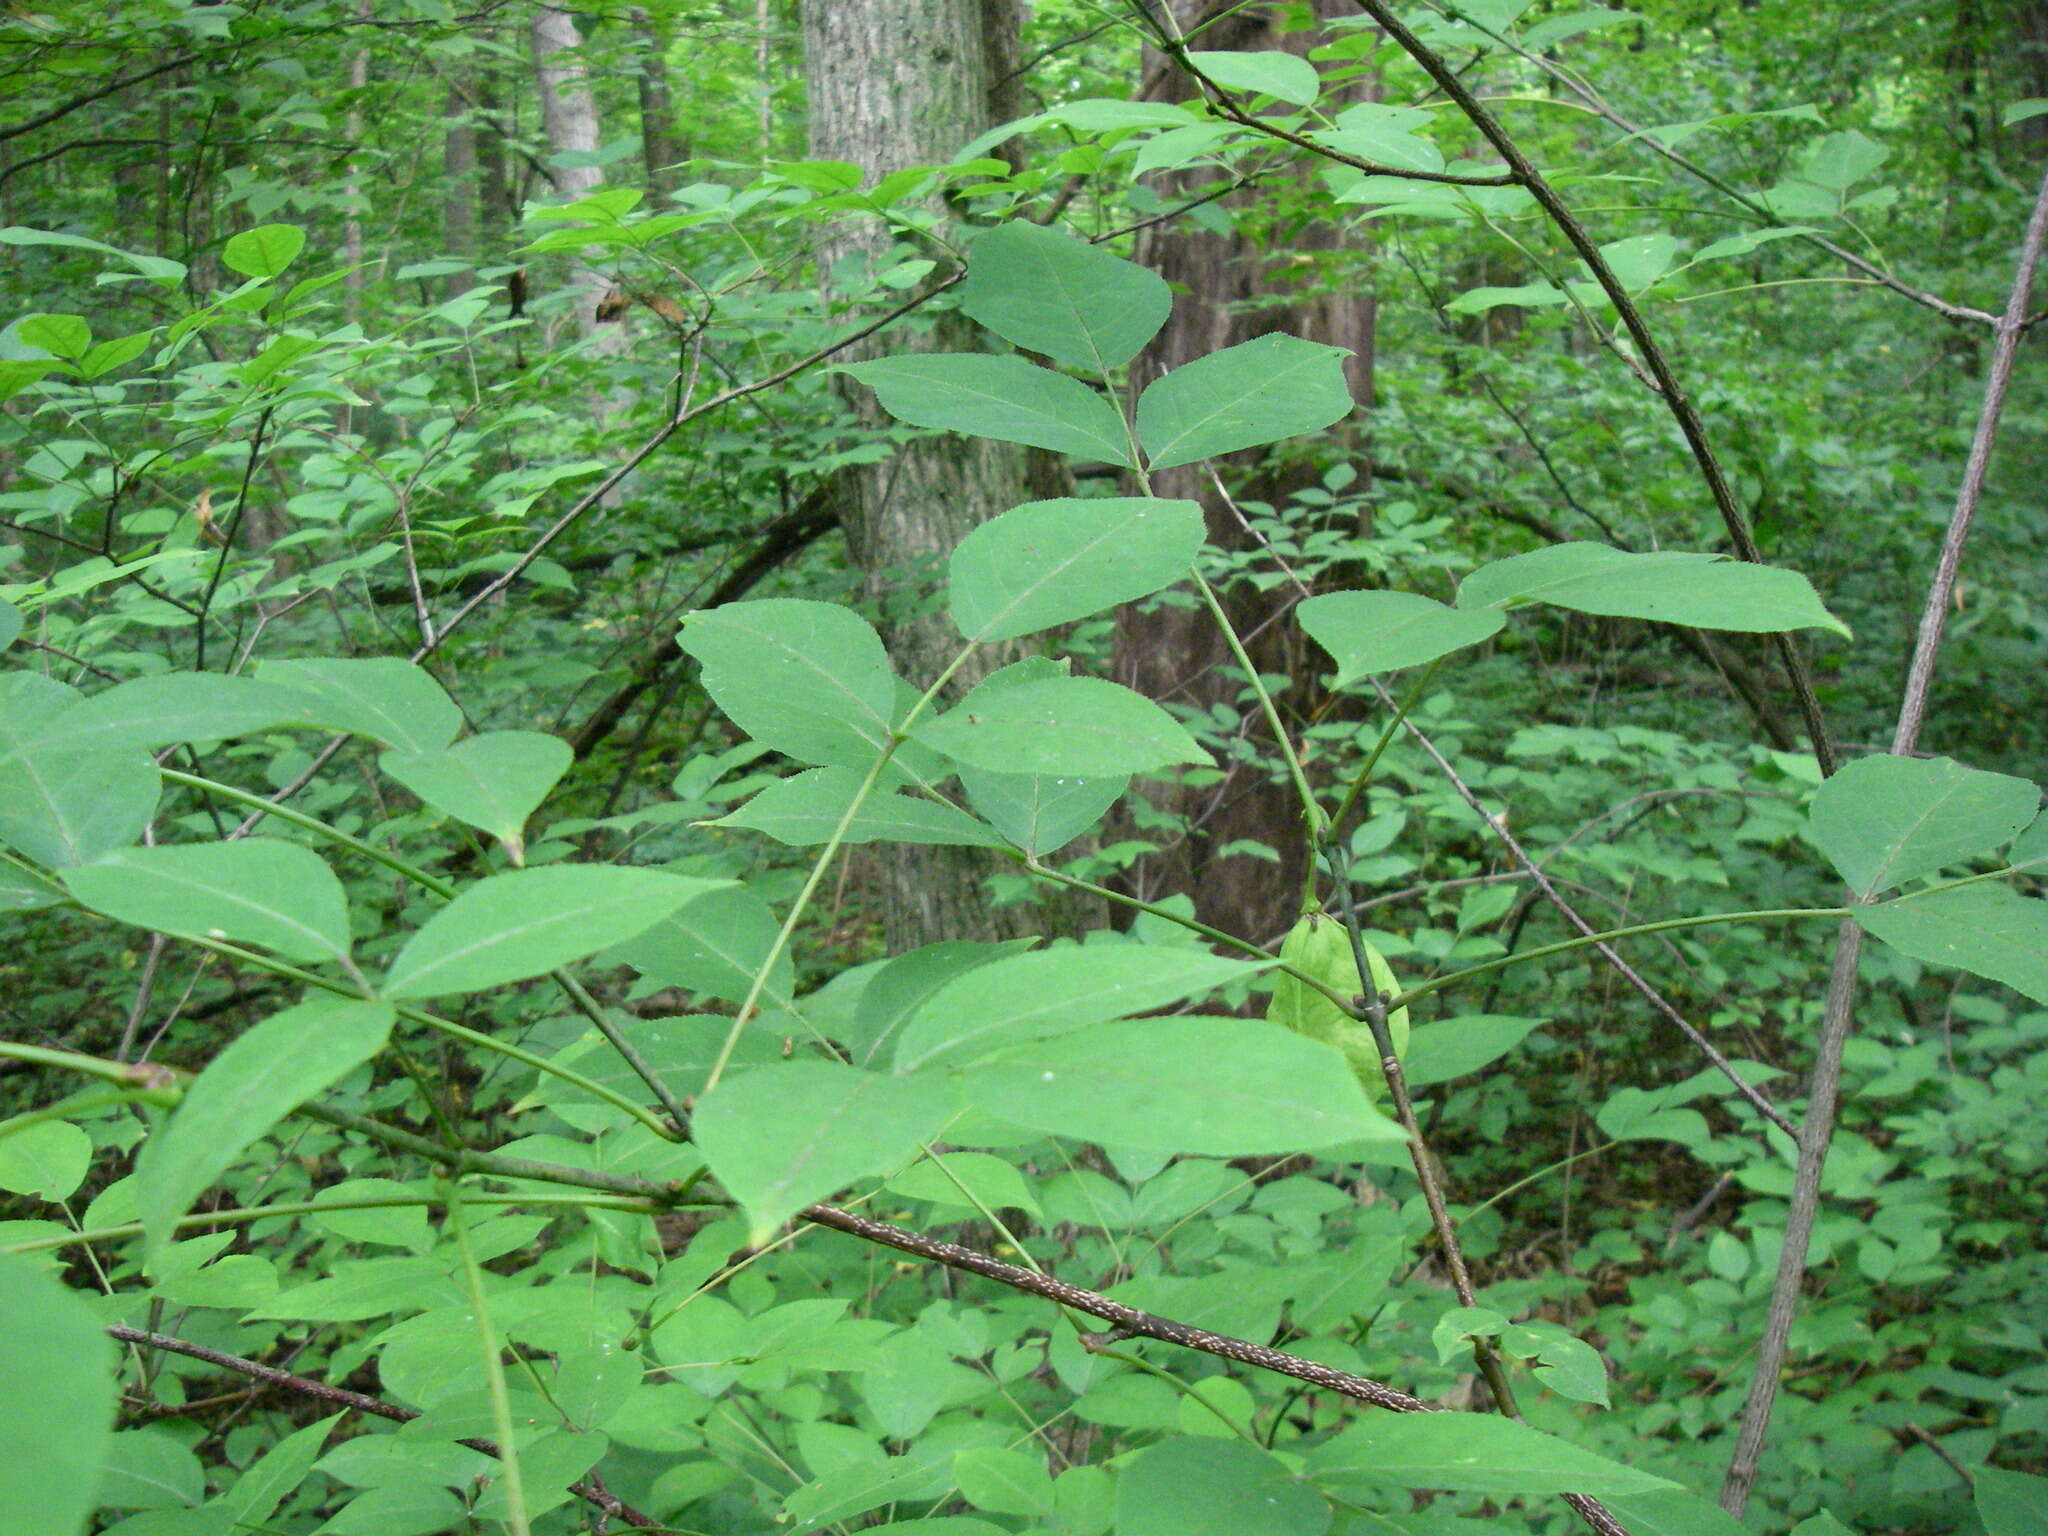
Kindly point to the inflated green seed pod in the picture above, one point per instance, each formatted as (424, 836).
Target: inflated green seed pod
(1320, 946)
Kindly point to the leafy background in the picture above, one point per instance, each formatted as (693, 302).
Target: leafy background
(475, 495)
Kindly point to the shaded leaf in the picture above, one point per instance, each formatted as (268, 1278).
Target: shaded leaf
(808, 679)
(714, 944)
(57, 1394)
(381, 697)
(47, 1160)
(1988, 930)
(181, 706)
(1261, 72)
(1203, 1486)
(1051, 562)
(1053, 991)
(1884, 820)
(1242, 397)
(1040, 813)
(1075, 726)
(1226, 1087)
(1670, 587)
(1004, 398)
(65, 808)
(1076, 303)
(1453, 1047)
(807, 807)
(1369, 632)
(264, 251)
(1468, 1453)
(493, 782)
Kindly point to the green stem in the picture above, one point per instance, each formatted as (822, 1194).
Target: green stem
(1372, 761)
(462, 1032)
(494, 1368)
(1309, 807)
(1215, 935)
(578, 996)
(1586, 941)
(238, 1216)
(897, 736)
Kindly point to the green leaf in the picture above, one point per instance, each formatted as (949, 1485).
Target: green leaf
(1001, 397)
(1561, 1361)
(57, 1393)
(1004, 1482)
(1072, 301)
(970, 1180)
(22, 890)
(810, 680)
(1242, 397)
(1671, 587)
(1264, 72)
(47, 1160)
(253, 890)
(1383, 144)
(1203, 1486)
(1838, 161)
(179, 706)
(1468, 1453)
(1225, 1087)
(492, 782)
(1640, 260)
(1674, 1512)
(281, 1470)
(714, 944)
(10, 625)
(509, 927)
(1040, 813)
(1455, 1047)
(781, 1137)
(65, 336)
(1988, 930)
(264, 251)
(259, 1079)
(1051, 562)
(899, 987)
(805, 808)
(1884, 820)
(381, 697)
(2010, 1503)
(1078, 726)
(1370, 632)
(65, 807)
(2020, 111)
(150, 1469)
(1055, 991)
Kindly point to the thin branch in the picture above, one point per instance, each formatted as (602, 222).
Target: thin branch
(1651, 351)
(65, 108)
(589, 1489)
(1838, 1011)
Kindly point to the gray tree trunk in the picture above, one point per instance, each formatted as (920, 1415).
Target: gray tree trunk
(896, 83)
(459, 189)
(569, 119)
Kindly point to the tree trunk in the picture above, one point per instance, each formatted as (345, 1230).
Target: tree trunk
(896, 83)
(569, 119)
(459, 189)
(660, 151)
(1232, 288)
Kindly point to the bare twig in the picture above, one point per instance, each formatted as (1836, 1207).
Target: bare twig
(1648, 347)
(1838, 1012)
